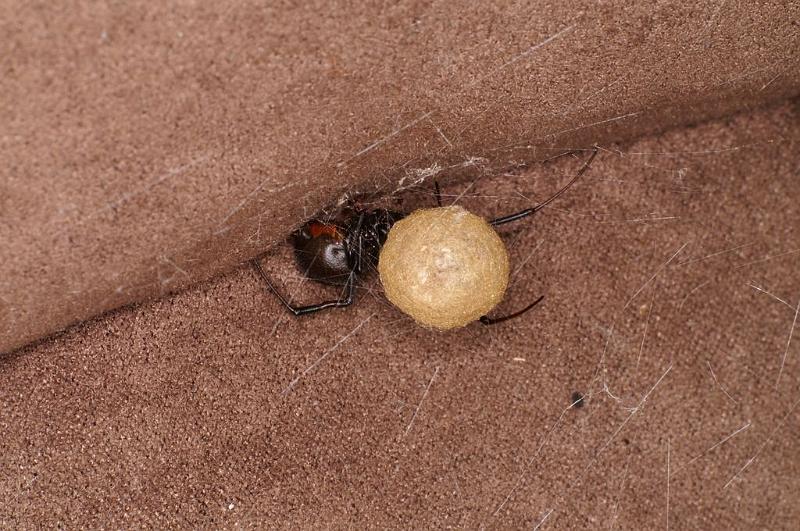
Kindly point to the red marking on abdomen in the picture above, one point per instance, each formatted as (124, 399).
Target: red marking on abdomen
(317, 229)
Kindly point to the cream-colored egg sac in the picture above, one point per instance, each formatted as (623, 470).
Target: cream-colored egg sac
(445, 267)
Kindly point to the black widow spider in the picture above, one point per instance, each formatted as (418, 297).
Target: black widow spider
(339, 253)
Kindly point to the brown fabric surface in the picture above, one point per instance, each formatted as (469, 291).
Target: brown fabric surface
(672, 286)
(146, 145)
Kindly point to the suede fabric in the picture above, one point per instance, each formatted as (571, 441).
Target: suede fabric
(149, 380)
(147, 146)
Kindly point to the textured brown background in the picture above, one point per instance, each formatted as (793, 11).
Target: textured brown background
(144, 148)
(176, 412)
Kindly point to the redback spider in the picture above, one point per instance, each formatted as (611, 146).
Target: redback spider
(340, 253)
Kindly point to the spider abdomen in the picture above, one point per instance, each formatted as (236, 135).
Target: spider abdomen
(321, 252)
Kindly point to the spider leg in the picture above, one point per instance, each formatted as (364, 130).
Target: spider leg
(354, 258)
(437, 193)
(529, 211)
(494, 320)
(347, 300)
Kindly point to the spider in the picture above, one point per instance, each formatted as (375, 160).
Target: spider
(340, 253)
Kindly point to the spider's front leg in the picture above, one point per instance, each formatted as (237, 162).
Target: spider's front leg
(347, 300)
(533, 210)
